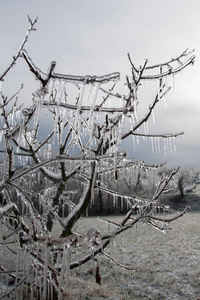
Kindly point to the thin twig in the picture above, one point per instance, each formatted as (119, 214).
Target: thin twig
(30, 29)
(117, 263)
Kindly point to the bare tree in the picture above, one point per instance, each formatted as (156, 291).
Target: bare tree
(43, 173)
(184, 181)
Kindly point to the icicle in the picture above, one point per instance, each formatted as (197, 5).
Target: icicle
(135, 110)
(152, 144)
(20, 137)
(93, 183)
(60, 90)
(27, 261)
(91, 116)
(1, 136)
(167, 143)
(32, 288)
(114, 200)
(63, 116)
(40, 287)
(64, 273)
(45, 272)
(88, 95)
(170, 144)
(63, 210)
(137, 140)
(122, 203)
(134, 146)
(124, 167)
(11, 118)
(121, 126)
(114, 134)
(57, 113)
(165, 148)
(39, 96)
(174, 143)
(155, 143)
(145, 129)
(18, 114)
(153, 116)
(158, 143)
(78, 119)
(117, 202)
(18, 264)
(50, 89)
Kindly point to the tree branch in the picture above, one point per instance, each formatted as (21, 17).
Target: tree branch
(30, 29)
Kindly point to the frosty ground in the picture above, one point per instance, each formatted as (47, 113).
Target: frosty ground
(166, 266)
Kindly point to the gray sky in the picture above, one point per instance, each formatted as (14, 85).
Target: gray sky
(93, 37)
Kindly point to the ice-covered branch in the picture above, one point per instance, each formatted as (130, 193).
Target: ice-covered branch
(168, 220)
(185, 53)
(8, 207)
(136, 73)
(27, 116)
(162, 135)
(44, 77)
(84, 201)
(170, 71)
(58, 176)
(6, 102)
(27, 201)
(55, 176)
(14, 59)
(107, 238)
(88, 79)
(163, 184)
(117, 263)
(6, 295)
(144, 119)
(97, 108)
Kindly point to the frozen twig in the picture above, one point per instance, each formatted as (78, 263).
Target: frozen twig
(117, 263)
(15, 58)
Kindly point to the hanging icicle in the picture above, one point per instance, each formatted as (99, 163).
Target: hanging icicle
(155, 143)
(78, 111)
(165, 147)
(158, 144)
(174, 144)
(152, 144)
(21, 132)
(153, 116)
(38, 101)
(91, 114)
(51, 90)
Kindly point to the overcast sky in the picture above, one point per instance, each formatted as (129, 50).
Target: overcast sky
(94, 36)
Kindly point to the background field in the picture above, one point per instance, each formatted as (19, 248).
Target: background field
(166, 265)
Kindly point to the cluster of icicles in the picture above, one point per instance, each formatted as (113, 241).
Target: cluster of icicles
(36, 265)
(35, 270)
(83, 118)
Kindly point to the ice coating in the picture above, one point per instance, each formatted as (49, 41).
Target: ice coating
(57, 165)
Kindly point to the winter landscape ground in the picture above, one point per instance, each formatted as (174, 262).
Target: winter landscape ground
(166, 266)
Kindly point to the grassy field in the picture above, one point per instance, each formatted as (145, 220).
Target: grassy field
(167, 266)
